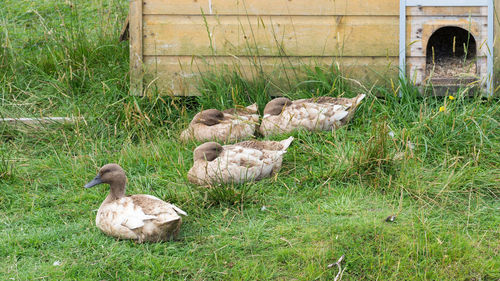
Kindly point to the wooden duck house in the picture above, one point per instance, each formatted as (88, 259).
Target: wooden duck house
(448, 43)
(442, 43)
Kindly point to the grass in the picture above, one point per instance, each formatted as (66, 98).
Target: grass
(438, 172)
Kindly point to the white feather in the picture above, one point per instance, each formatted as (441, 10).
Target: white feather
(340, 115)
(178, 210)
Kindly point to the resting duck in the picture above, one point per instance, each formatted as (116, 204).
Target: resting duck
(281, 115)
(237, 163)
(139, 217)
(224, 126)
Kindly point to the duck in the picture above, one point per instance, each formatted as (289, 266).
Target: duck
(141, 217)
(281, 115)
(242, 162)
(222, 126)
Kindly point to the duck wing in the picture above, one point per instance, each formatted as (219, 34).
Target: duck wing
(267, 145)
(235, 164)
(153, 206)
(312, 116)
(345, 102)
(321, 100)
(121, 217)
(322, 113)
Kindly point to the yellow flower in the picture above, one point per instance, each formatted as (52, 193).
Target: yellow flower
(451, 97)
(442, 108)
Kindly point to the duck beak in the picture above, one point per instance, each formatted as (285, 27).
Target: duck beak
(97, 180)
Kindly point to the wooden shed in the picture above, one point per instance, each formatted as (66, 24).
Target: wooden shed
(173, 41)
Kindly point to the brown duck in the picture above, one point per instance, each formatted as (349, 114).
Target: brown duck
(281, 115)
(237, 163)
(222, 126)
(139, 217)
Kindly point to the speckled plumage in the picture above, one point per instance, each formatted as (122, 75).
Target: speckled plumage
(237, 163)
(324, 113)
(139, 217)
(224, 126)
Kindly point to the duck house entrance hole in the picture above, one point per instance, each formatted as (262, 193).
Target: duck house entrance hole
(451, 56)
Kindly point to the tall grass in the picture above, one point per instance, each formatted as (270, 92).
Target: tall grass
(437, 171)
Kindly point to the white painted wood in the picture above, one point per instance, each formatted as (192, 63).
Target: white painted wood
(42, 120)
(448, 3)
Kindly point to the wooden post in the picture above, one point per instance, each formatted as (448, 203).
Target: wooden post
(41, 120)
(135, 33)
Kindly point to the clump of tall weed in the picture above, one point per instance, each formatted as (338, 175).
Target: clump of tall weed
(323, 81)
(7, 169)
(227, 88)
(227, 194)
(374, 159)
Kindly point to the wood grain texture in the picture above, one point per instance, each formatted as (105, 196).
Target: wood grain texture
(447, 11)
(136, 44)
(229, 32)
(178, 75)
(274, 35)
(273, 7)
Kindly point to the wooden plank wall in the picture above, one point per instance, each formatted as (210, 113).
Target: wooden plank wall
(181, 38)
(175, 40)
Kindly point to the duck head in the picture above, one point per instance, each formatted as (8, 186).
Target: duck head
(207, 151)
(209, 117)
(276, 106)
(113, 175)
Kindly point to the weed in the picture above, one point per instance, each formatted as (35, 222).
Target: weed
(7, 172)
(228, 194)
(436, 171)
(374, 158)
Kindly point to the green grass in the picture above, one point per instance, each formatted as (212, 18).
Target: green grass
(439, 173)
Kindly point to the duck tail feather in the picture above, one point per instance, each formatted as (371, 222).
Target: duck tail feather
(178, 210)
(185, 135)
(286, 143)
(252, 107)
(359, 98)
